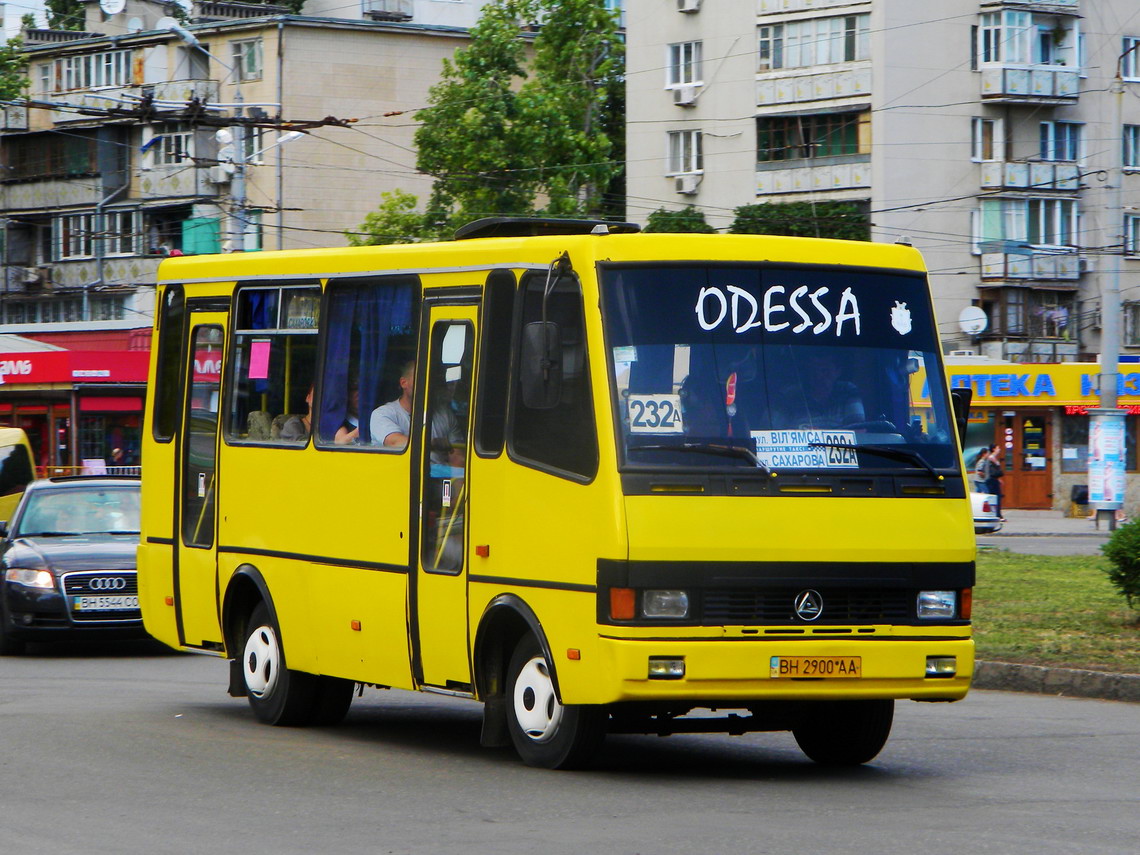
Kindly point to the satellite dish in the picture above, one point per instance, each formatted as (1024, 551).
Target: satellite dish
(972, 320)
(134, 25)
(112, 7)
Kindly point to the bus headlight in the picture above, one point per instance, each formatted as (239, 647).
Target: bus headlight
(665, 604)
(933, 605)
(31, 578)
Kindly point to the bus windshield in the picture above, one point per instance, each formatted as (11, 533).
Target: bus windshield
(779, 368)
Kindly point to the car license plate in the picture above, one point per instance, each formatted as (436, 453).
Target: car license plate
(104, 604)
(815, 667)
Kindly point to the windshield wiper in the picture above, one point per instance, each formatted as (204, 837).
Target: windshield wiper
(50, 534)
(116, 531)
(885, 451)
(738, 451)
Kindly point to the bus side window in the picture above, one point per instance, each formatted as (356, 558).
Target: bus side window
(169, 370)
(494, 364)
(370, 336)
(274, 364)
(562, 437)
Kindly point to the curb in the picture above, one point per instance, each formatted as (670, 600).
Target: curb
(1074, 682)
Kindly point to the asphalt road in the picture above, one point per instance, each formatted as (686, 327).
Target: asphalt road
(131, 750)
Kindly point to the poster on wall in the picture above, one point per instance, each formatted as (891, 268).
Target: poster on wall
(1106, 459)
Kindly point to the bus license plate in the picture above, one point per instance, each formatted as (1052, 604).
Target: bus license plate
(105, 604)
(815, 667)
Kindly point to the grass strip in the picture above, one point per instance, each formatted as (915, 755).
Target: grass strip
(1053, 610)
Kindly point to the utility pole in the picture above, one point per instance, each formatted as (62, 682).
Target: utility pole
(1106, 424)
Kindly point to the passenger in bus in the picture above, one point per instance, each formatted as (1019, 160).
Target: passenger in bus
(391, 423)
(298, 428)
(823, 400)
(349, 431)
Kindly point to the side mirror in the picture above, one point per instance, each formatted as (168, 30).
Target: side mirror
(540, 368)
(3, 528)
(960, 397)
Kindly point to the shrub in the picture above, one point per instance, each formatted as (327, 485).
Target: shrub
(1123, 553)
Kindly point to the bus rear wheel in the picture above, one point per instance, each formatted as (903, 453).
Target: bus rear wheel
(276, 694)
(845, 733)
(547, 733)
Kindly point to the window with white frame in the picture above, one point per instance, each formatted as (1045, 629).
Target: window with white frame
(815, 41)
(1012, 37)
(986, 139)
(77, 235)
(1131, 138)
(1061, 140)
(1132, 234)
(684, 64)
(247, 59)
(107, 68)
(253, 144)
(685, 153)
(1033, 222)
(1130, 58)
(174, 144)
(812, 136)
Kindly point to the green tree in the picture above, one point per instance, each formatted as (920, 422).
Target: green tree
(844, 220)
(396, 221)
(688, 219)
(66, 14)
(13, 70)
(496, 139)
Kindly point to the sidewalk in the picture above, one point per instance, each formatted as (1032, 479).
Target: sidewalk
(1052, 533)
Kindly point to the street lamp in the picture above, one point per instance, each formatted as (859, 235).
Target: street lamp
(237, 223)
(1106, 424)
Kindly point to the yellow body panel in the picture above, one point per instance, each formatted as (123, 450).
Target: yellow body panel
(330, 532)
(10, 437)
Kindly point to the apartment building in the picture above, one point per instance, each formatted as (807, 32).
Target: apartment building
(1001, 138)
(129, 151)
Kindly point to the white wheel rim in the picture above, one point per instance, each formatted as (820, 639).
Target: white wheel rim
(262, 661)
(537, 709)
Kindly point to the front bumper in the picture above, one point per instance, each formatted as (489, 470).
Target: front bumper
(738, 670)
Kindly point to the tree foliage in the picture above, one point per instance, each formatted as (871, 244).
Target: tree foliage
(508, 136)
(396, 221)
(688, 219)
(13, 70)
(843, 220)
(1123, 553)
(66, 14)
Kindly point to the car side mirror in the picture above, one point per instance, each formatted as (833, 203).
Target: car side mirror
(3, 528)
(960, 397)
(540, 366)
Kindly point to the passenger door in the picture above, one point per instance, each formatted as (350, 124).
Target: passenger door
(196, 573)
(440, 591)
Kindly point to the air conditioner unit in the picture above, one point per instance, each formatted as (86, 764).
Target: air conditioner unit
(685, 96)
(1086, 265)
(219, 175)
(31, 275)
(688, 185)
(688, 5)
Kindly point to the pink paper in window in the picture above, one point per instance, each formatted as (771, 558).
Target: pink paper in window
(259, 360)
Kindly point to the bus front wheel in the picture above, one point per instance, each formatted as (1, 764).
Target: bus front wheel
(545, 732)
(845, 733)
(276, 694)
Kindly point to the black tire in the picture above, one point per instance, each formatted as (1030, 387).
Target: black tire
(845, 733)
(277, 695)
(546, 733)
(332, 697)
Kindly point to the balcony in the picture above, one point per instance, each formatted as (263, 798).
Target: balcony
(796, 86)
(389, 10)
(117, 270)
(811, 177)
(1026, 84)
(1030, 175)
(40, 194)
(1042, 266)
(171, 96)
(776, 7)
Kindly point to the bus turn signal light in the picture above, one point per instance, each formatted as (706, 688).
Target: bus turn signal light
(623, 602)
(966, 604)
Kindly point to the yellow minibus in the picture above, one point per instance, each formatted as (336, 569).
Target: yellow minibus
(597, 480)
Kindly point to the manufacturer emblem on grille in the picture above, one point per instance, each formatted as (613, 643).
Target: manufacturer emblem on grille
(107, 583)
(808, 605)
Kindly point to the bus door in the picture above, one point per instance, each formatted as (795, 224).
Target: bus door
(440, 600)
(196, 576)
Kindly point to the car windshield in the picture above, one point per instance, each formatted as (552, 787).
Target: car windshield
(780, 368)
(80, 510)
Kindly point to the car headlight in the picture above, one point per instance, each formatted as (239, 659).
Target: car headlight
(31, 578)
(665, 604)
(933, 605)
